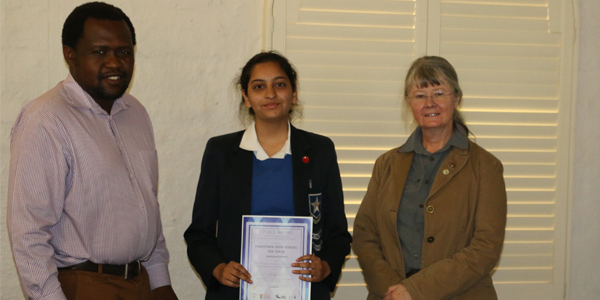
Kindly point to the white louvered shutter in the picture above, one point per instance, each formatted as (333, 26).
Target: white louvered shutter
(513, 58)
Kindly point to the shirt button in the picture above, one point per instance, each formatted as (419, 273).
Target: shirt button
(430, 209)
(130, 175)
(431, 158)
(426, 181)
(416, 257)
(142, 206)
(421, 205)
(430, 239)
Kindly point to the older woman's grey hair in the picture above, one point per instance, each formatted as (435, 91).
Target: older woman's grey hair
(434, 70)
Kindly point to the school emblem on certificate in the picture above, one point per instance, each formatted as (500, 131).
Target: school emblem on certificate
(270, 244)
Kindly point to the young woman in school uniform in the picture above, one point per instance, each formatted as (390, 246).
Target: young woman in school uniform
(270, 168)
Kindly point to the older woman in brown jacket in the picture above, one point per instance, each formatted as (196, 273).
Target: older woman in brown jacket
(431, 225)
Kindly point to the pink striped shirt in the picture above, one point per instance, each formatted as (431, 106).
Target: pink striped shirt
(83, 186)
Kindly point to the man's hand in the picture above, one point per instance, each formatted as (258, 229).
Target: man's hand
(164, 293)
(231, 273)
(397, 292)
(317, 268)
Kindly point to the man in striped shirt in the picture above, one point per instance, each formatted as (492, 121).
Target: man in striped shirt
(83, 215)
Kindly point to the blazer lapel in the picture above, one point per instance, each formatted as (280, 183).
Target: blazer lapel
(301, 171)
(454, 162)
(240, 169)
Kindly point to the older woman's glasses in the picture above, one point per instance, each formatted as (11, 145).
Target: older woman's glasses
(435, 97)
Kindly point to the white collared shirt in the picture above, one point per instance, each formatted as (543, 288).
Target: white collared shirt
(250, 142)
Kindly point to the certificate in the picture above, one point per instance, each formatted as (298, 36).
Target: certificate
(270, 244)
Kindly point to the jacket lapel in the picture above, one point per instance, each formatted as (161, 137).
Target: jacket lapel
(301, 171)
(454, 162)
(240, 169)
(399, 168)
(392, 192)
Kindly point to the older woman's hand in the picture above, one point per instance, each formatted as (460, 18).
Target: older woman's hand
(397, 292)
(317, 268)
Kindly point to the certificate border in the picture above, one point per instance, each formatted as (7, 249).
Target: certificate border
(248, 221)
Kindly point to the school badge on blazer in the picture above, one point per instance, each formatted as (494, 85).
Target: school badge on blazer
(314, 204)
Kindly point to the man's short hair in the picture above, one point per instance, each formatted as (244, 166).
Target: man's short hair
(74, 24)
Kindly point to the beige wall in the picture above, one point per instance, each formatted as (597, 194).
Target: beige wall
(188, 54)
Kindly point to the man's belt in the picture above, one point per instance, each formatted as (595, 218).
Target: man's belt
(128, 271)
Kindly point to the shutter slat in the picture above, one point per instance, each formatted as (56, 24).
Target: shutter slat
(495, 11)
(527, 260)
(402, 6)
(515, 104)
(492, 64)
(513, 245)
(349, 32)
(543, 3)
(499, 37)
(313, 72)
(537, 91)
(348, 46)
(474, 49)
(539, 274)
(483, 23)
(394, 20)
(348, 59)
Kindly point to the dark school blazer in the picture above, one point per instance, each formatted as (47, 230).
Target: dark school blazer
(224, 194)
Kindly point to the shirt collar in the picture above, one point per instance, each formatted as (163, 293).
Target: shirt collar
(250, 142)
(458, 139)
(81, 99)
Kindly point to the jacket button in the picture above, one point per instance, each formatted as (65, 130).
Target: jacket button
(430, 239)
(430, 209)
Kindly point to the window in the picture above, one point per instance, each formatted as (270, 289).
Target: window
(513, 58)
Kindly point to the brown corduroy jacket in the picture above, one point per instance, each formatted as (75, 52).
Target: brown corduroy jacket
(465, 218)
